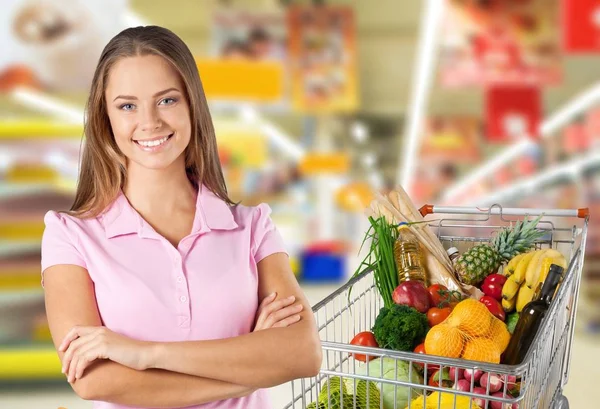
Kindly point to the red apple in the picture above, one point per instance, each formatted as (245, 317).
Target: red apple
(413, 294)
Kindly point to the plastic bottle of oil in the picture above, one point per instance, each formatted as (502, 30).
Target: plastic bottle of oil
(407, 253)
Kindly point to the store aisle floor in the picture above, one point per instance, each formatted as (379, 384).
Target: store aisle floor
(585, 372)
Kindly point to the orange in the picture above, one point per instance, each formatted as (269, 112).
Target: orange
(444, 340)
(481, 349)
(499, 334)
(471, 317)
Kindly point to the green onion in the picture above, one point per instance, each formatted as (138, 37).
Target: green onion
(380, 258)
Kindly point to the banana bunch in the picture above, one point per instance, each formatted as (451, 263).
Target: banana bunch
(525, 272)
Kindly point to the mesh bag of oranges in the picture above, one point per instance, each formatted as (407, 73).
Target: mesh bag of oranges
(470, 332)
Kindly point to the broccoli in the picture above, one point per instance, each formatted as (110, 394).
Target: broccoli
(400, 328)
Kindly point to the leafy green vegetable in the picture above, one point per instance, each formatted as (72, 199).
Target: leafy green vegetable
(332, 390)
(511, 321)
(400, 328)
(380, 257)
(364, 389)
(396, 370)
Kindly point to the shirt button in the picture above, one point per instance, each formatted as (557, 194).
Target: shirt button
(180, 279)
(183, 298)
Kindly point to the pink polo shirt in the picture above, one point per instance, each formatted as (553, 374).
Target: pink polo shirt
(147, 289)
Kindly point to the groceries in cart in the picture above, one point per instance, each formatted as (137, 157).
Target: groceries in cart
(457, 306)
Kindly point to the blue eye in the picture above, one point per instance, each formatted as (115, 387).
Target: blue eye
(168, 101)
(127, 107)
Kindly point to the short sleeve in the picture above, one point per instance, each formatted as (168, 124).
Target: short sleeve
(58, 245)
(266, 238)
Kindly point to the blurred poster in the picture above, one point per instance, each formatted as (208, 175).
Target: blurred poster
(513, 113)
(323, 58)
(592, 125)
(581, 26)
(431, 180)
(576, 139)
(451, 139)
(529, 162)
(503, 176)
(501, 41)
(247, 44)
(55, 44)
(249, 35)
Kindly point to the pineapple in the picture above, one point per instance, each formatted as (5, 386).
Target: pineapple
(480, 261)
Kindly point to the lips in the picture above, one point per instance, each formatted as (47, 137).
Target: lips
(153, 141)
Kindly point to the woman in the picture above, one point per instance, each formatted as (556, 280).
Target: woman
(153, 280)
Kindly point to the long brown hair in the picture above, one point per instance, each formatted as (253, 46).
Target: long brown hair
(103, 166)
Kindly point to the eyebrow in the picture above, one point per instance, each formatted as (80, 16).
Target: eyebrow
(158, 94)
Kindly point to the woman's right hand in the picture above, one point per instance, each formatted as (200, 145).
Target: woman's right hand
(277, 314)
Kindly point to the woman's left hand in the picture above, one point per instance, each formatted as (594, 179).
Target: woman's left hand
(84, 345)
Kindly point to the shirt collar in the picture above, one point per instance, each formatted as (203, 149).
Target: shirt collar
(212, 213)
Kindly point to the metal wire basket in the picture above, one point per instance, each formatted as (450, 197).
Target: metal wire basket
(354, 307)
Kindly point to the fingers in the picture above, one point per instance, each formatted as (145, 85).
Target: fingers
(278, 305)
(286, 322)
(269, 309)
(73, 334)
(84, 357)
(72, 350)
(283, 314)
(266, 301)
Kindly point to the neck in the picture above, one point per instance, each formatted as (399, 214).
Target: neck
(161, 191)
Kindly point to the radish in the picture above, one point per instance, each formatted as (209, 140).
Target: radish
(456, 371)
(478, 401)
(473, 374)
(500, 405)
(494, 380)
(509, 379)
(463, 385)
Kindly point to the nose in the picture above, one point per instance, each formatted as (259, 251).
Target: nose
(149, 120)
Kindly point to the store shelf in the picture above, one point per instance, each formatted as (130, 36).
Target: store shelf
(60, 185)
(530, 185)
(39, 129)
(30, 362)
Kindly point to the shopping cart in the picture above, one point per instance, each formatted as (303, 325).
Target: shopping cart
(354, 307)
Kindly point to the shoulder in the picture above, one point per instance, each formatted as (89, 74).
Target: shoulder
(251, 216)
(62, 220)
(62, 224)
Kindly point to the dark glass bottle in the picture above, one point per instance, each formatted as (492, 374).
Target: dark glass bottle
(531, 318)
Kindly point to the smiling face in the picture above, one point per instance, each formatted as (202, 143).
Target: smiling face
(148, 112)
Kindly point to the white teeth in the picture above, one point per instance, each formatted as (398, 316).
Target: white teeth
(153, 143)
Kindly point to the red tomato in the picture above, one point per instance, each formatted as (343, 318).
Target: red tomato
(434, 294)
(436, 315)
(494, 307)
(365, 339)
(420, 349)
(434, 380)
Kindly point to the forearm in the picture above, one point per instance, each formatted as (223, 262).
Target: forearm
(260, 359)
(111, 382)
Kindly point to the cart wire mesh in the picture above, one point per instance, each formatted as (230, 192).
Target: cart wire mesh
(401, 377)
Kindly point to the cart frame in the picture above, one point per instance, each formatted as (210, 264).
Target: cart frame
(354, 306)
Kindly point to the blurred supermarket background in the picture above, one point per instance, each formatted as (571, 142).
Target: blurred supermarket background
(317, 104)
